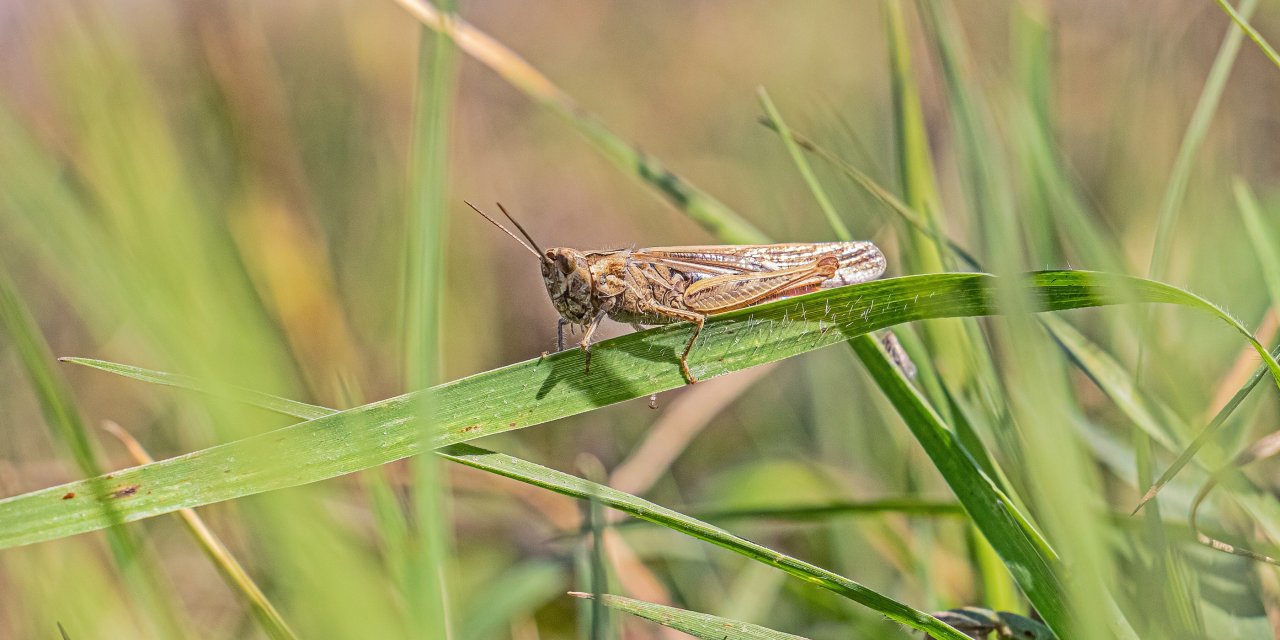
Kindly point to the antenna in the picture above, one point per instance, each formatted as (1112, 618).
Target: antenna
(517, 224)
(532, 249)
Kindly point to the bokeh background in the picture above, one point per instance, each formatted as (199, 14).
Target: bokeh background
(219, 189)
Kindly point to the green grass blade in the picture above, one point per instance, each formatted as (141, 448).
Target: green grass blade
(999, 519)
(1149, 415)
(818, 512)
(566, 484)
(643, 509)
(217, 552)
(156, 609)
(1261, 235)
(262, 400)
(694, 202)
(802, 165)
(698, 625)
(51, 391)
(536, 391)
(907, 506)
(910, 216)
(1119, 386)
(1159, 422)
(1058, 475)
(915, 160)
(530, 473)
(1207, 434)
(430, 541)
(1170, 208)
(961, 465)
(518, 591)
(1242, 21)
(1197, 128)
(727, 225)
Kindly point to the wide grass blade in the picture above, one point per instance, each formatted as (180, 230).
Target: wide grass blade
(536, 391)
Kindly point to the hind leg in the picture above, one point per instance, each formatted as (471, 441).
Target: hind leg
(692, 316)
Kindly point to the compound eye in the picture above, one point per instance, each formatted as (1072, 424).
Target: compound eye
(564, 264)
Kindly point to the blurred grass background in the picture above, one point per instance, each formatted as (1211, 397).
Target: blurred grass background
(220, 189)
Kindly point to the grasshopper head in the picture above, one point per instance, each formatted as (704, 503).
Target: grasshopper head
(568, 279)
(566, 273)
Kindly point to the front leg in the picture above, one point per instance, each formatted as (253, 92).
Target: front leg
(671, 312)
(586, 339)
(560, 323)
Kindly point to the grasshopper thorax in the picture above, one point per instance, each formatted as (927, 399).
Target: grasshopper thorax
(567, 275)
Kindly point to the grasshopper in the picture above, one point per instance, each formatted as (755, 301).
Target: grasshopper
(662, 285)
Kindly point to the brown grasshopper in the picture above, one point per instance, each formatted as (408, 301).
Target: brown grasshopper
(661, 285)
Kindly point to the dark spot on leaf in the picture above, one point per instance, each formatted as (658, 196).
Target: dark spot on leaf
(469, 429)
(125, 491)
(68, 495)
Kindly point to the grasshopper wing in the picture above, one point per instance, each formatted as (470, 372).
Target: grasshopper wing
(857, 261)
(722, 293)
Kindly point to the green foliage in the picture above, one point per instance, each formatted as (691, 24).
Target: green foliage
(269, 201)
